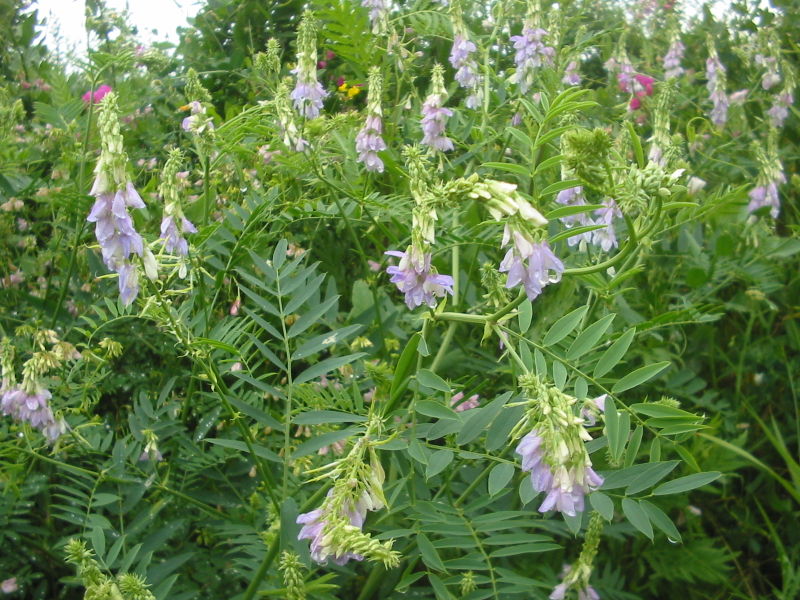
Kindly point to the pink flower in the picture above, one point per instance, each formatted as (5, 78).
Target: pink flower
(97, 95)
(9, 586)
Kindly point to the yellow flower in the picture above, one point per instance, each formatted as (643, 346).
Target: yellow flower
(353, 91)
(343, 87)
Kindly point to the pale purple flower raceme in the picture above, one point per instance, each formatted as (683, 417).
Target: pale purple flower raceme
(771, 77)
(564, 484)
(574, 197)
(419, 283)
(434, 120)
(715, 73)
(32, 408)
(531, 53)
(173, 231)
(779, 111)
(198, 121)
(314, 524)
(572, 75)
(606, 238)
(308, 94)
(466, 69)
(767, 195)
(532, 264)
(369, 140)
(378, 10)
(672, 60)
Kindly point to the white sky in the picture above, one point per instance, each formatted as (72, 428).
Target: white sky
(65, 20)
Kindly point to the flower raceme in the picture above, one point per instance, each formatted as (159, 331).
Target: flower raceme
(530, 54)
(308, 94)
(369, 140)
(418, 280)
(435, 115)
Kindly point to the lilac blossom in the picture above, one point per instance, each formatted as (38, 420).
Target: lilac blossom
(672, 60)
(531, 54)
(308, 94)
(308, 97)
(378, 9)
(113, 225)
(418, 282)
(574, 197)
(572, 75)
(32, 408)
(564, 484)
(606, 238)
(767, 195)
(198, 122)
(624, 72)
(592, 408)
(314, 524)
(542, 268)
(771, 77)
(369, 142)
(715, 73)
(779, 111)
(560, 593)
(172, 232)
(466, 69)
(434, 115)
(468, 404)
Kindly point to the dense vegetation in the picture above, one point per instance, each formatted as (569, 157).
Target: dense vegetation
(402, 300)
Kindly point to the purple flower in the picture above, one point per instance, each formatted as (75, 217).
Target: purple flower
(308, 96)
(574, 197)
(715, 73)
(767, 195)
(197, 122)
(587, 593)
(542, 268)
(378, 9)
(565, 485)
(417, 282)
(572, 75)
(606, 238)
(314, 524)
(468, 404)
(531, 53)
(172, 231)
(672, 60)
(369, 142)
(434, 120)
(466, 69)
(32, 408)
(114, 227)
(779, 111)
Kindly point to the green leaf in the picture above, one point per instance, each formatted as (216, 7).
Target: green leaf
(639, 376)
(279, 254)
(499, 477)
(637, 517)
(587, 338)
(556, 187)
(684, 484)
(660, 519)
(325, 366)
(242, 447)
(439, 588)
(653, 409)
(524, 316)
(568, 211)
(564, 326)
(650, 475)
(429, 555)
(633, 446)
(321, 342)
(312, 317)
(431, 380)
(602, 504)
(405, 364)
(614, 353)
(480, 418)
(540, 363)
(326, 439)
(438, 462)
(437, 410)
(315, 417)
(521, 170)
(637, 145)
(548, 163)
(524, 549)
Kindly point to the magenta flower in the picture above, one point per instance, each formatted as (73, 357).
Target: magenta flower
(96, 96)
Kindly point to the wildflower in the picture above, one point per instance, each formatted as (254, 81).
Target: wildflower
(468, 404)
(623, 69)
(419, 282)
(531, 54)
(542, 268)
(30, 403)
(96, 96)
(114, 194)
(779, 111)
(695, 185)
(572, 75)
(553, 451)
(592, 408)
(378, 13)
(308, 94)
(174, 225)
(766, 195)
(369, 141)
(574, 197)
(9, 586)
(769, 178)
(738, 98)
(198, 122)
(771, 76)
(434, 115)
(606, 237)
(715, 73)
(672, 59)
(286, 124)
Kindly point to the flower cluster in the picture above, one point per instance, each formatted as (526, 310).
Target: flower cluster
(574, 196)
(530, 263)
(468, 404)
(779, 111)
(553, 452)
(572, 74)
(770, 176)
(576, 577)
(96, 96)
(198, 122)
(463, 60)
(114, 194)
(620, 66)
(435, 115)
(672, 59)
(640, 86)
(308, 93)
(369, 141)
(771, 76)
(286, 124)
(531, 53)
(715, 74)
(420, 282)
(378, 13)
(174, 225)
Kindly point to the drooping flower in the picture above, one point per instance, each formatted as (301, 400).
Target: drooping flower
(435, 115)
(715, 73)
(9, 586)
(96, 96)
(767, 195)
(531, 53)
(574, 197)
(308, 93)
(621, 67)
(530, 263)
(286, 124)
(606, 238)
(198, 122)
(174, 225)
(317, 521)
(770, 176)
(369, 140)
(572, 74)
(779, 111)
(32, 406)
(468, 404)
(419, 282)
(463, 60)
(378, 13)
(771, 76)
(672, 59)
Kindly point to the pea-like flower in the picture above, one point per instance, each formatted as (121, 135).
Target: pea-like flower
(419, 282)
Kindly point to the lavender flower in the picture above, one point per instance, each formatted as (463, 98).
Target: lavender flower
(172, 232)
(549, 464)
(771, 77)
(767, 195)
(606, 238)
(779, 111)
(574, 197)
(308, 94)
(672, 60)
(468, 404)
(419, 283)
(624, 71)
(174, 225)
(715, 73)
(531, 54)
(378, 11)
(198, 122)
(32, 407)
(314, 528)
(587, 593)
(434, 115)
(542, 268)
(286, 124)
(466, 67)
(572, 75)
(369, 141)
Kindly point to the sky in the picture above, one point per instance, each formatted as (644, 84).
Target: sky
(65, 31)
